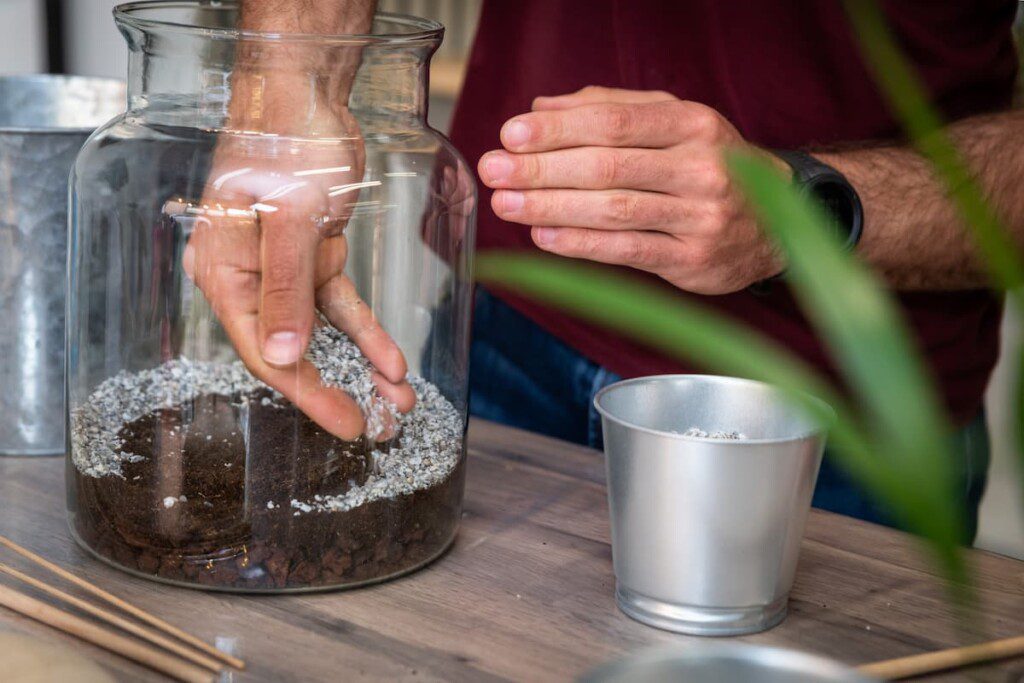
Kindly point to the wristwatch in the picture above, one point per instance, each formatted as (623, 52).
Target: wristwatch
(832, 190)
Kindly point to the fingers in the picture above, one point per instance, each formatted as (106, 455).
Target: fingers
(330, 259)
(329, 407)
(594, 94)
(644, 250)
(219, 253)
(599, 209)
(235, 304)
(337, 298)
(399, 393)
(339, 301)
(288, 254)
(652, 124)
(584, 168)
(234, 294)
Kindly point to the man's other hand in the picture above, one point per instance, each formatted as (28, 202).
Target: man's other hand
(634, 178)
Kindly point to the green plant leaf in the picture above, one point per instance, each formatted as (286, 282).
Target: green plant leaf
(865, 332)
(909, 101)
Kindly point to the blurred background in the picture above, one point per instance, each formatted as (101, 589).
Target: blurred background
(78, 37)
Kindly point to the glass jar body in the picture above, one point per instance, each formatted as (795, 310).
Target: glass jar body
(183, 464)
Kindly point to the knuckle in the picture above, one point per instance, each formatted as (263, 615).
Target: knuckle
(226, 281)
(363, 324)
(719, 183)
(622, 208)
(533, 204)
(547, 128)
(721, 214)
(279, 294)
(572, 242)
(590, 243)
(616, 121)
(530, 168)
(607, 169)
(705, 122)
(629, 167)
(637, 250)
(561, 242)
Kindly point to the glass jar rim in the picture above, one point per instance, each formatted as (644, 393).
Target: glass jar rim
(420, 30)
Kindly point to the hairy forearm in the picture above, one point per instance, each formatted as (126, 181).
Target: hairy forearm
(308, 16)
(913, 234)
(296, 86)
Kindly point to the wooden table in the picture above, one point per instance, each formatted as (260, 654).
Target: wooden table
(526, 591)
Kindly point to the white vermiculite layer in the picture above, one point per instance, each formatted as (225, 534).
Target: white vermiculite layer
(699, 433)
(429, 447)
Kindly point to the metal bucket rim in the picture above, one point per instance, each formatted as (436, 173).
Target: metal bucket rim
(806, 662)
(814, 432)
(51, 78)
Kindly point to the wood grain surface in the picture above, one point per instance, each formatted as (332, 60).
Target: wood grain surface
(526, 591)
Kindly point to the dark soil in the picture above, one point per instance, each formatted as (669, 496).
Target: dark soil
(223, 534)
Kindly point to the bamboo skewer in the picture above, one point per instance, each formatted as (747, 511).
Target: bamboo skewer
(120, 622)
(931, 662)
(97, 635)
(136, 612)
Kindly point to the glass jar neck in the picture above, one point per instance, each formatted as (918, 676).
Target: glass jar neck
(182, 77)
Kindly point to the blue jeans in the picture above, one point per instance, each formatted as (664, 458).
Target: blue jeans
(524, 377)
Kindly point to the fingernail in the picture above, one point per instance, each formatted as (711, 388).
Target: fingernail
(516, 133)
(544, 236)
(281, 348)
(497, 166)
(511, 202)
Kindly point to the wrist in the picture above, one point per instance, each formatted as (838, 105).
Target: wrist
(287, 101)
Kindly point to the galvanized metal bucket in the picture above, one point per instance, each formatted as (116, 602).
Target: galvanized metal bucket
(43, 122)
(706, 532)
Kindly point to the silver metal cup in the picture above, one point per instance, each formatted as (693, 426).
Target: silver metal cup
(43, 122)
(706, 532)
(733, 662)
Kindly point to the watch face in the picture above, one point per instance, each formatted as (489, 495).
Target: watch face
(839, 204)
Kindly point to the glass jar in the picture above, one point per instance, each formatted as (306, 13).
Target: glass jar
(246, 160)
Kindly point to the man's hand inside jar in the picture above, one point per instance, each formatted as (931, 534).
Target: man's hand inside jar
(268, 251)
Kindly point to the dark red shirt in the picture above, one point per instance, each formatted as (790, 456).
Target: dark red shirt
(788, 75)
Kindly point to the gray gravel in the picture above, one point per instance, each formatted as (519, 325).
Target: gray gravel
(699, 433)
(428, 449)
